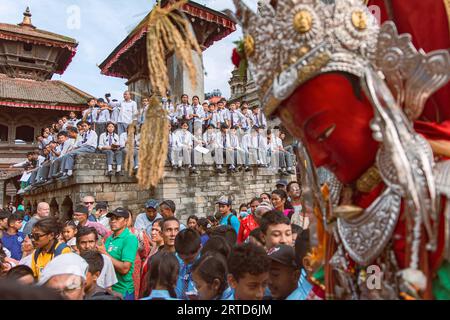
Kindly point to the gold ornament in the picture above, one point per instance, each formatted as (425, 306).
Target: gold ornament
(359, 20)
(303, 50)
(369, 180)
(303, 21)
(249, 45)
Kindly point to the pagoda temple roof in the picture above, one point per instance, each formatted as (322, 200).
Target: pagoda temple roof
(49, 95)
(26, 32)
(225, 27)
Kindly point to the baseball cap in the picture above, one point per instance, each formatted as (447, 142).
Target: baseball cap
(224, 200)
(81, 209)
(119, 212)
(152, 203)
(101, 205)
(69, 263)
(283, 254)
(282, 183)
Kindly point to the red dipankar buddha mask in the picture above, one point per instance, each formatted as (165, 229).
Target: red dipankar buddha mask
(333, 115)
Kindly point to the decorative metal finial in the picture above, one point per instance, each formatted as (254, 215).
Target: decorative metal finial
(27, 19)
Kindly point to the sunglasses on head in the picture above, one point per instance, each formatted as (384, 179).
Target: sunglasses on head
(37, 236)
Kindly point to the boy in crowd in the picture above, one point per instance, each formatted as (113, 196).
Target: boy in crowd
(276, 229)
(144, 221)
(170, 230)
(187, 246)
(197, 114)
(284, 274)
(167, 209)
(109, 144)
(184, 112)
(12, 239)
(91, 111)
(92, 290)
(185, 148)
(87, 239)
(248, 273)
(64, 147)
(228, 218)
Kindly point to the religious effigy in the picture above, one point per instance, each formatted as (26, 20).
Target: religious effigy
(372, 107)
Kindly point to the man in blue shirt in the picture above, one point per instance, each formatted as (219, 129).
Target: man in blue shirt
(228, 219)
(187, 246)
(12, 239)
(284, 274)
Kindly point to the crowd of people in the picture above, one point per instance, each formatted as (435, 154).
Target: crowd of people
(253, 251)
(228, 136)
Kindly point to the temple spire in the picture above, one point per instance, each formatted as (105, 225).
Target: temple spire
(27, 19)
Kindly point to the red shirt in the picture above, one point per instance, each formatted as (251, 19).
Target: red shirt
(247, 225)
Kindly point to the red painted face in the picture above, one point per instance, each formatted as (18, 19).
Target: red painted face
(335, 124)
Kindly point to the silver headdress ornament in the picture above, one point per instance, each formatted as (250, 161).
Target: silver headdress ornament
(296, 40)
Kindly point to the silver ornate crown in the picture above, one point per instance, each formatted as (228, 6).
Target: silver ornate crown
(295, 40)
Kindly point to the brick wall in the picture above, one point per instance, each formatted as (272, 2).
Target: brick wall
(191, 194)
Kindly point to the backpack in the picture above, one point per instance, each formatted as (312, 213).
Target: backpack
(229, 220)
(56, 250)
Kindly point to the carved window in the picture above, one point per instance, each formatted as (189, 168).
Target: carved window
(25, 134)
(3, 133)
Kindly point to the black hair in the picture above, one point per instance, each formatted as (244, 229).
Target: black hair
(271, 218)
(160, 222)
(62, 133)
(94, 260)
(72, 129)
(48, 225)
(248, 258)
(283, 195)
(257, 234)
(296, 229)
(255, 199)
(290, 184)
(13, 291)
(227, 232)
(163, 270)
(84, 231)
(170, 204)
(187, 242)
(196, 97)
(90, 99)
(267, 194)
(194, 217)
(169, 219)
(13, 218)
(18, 272)
(210, 267)
(217, 244)
(243, 205)
(70, 224)
(184, 95)
(203, 223)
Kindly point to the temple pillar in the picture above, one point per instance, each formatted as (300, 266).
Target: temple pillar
(180, 82)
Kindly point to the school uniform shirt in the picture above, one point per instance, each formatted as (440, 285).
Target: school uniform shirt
(128, 112)
(234, 141)
(123, 248)
(198, 110)
(184, 110)
(223, 141)
(107, 140)
(14, 244)
(303, 290)
(216, 119)
(107, 277)
(185, 282)
(234, 222)
(184, 139)
(224, 114)
(64, 148)
(89, 138)
(210, 138)
(124, 138)
(73, 122)
(259, 119)
(159, 295)
(41, 160)
(103, 116)
(235, 118)
(115, 111)
(91, 117)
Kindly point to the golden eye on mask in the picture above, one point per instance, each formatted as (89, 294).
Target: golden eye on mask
(326, 134)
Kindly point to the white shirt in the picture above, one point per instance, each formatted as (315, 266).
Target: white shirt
(41, 160)
(220, 140)
(115, 112)
(199, 111)
(184, 139)
(128, 112)
(237, 117)
(107, 276)
(105, 141)
(259, 119)
(210, 138)
(183, 111)
(89, 138)
(144, 224)
(91, 118)
(103, 116)
(64, 148)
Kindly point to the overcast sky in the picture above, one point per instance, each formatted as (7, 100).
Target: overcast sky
(103, 24)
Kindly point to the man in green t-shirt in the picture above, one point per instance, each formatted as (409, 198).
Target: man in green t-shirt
(121, 247)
